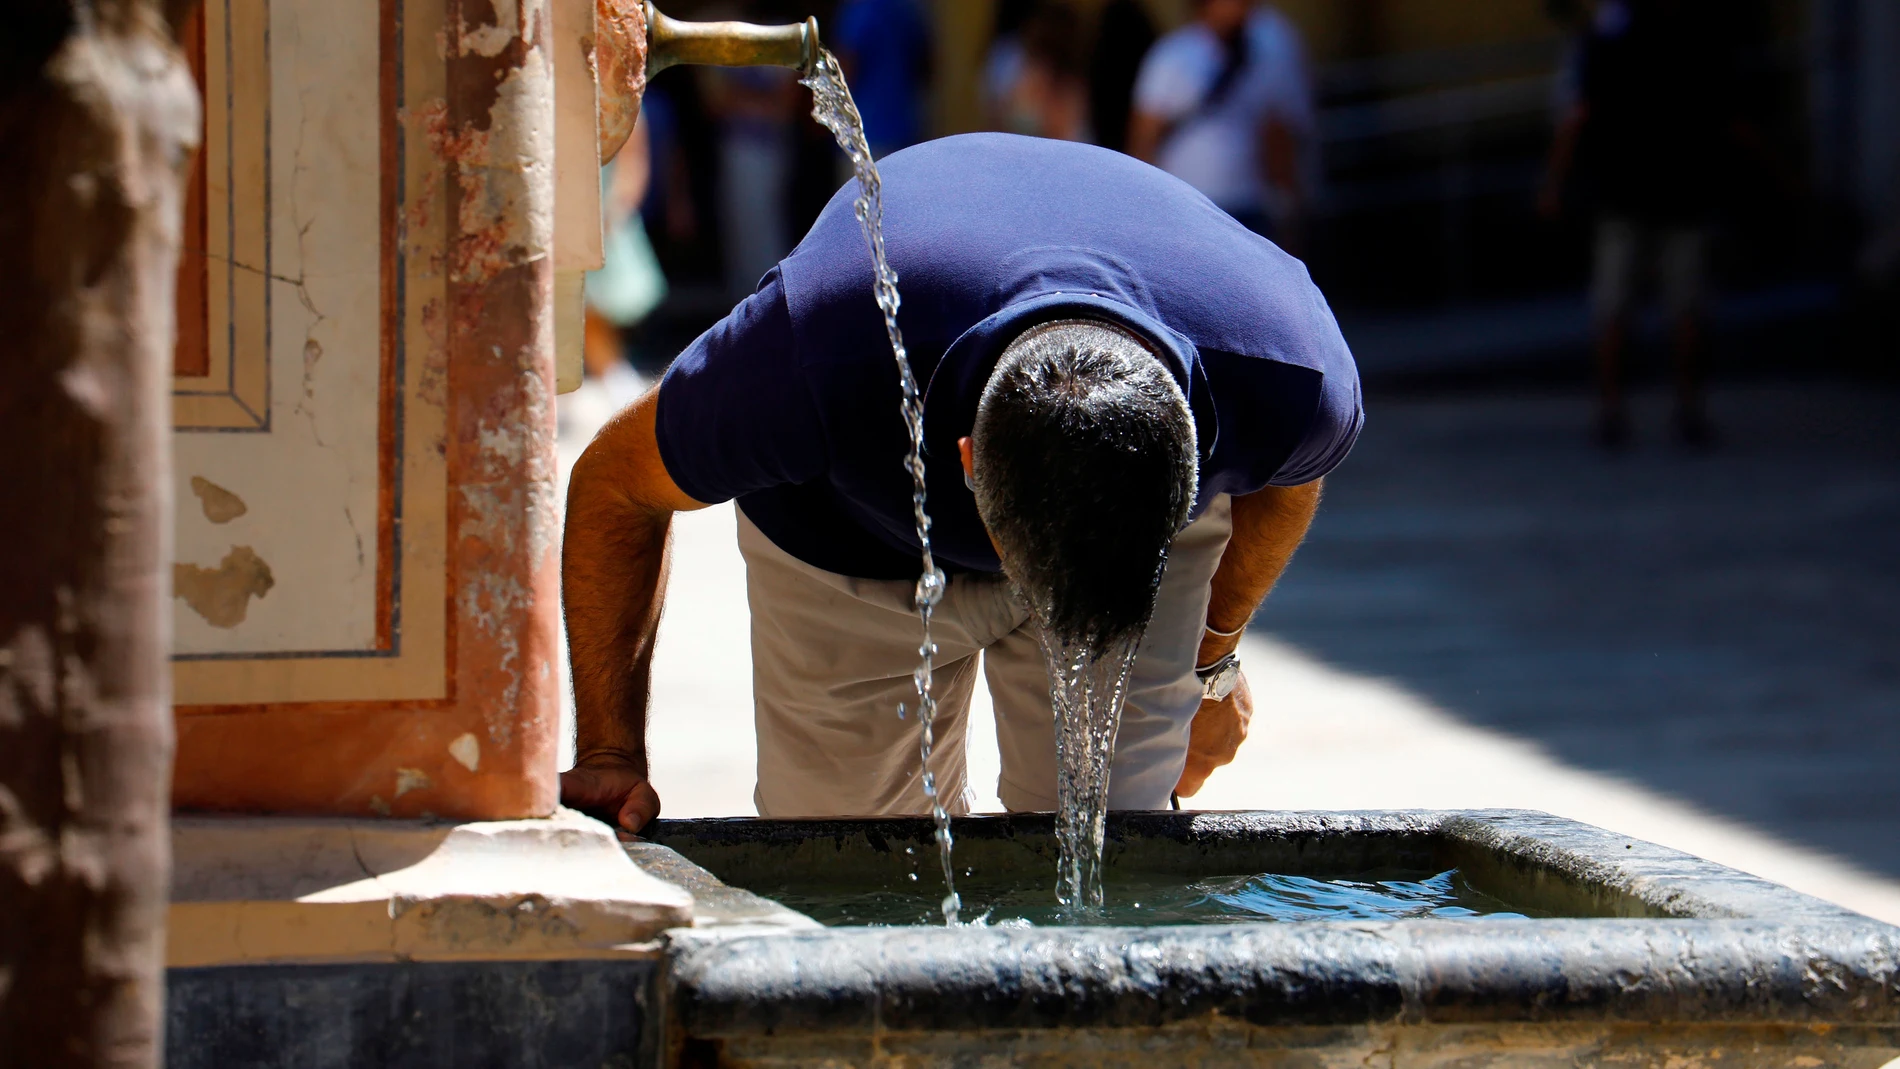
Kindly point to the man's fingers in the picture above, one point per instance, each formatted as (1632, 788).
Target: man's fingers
(642, 804)
(619, 796)
(1215, 737)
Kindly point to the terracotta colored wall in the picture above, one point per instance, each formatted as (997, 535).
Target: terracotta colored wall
(366, 536)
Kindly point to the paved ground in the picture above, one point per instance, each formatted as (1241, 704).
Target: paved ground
(1696, 650)
(1719, 627)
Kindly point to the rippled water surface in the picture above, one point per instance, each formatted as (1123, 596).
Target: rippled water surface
(1135, 898)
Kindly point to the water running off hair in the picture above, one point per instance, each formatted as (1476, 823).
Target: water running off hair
(1088, 682)
(832, 106)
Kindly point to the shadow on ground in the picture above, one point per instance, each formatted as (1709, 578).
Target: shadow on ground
(1723, 627)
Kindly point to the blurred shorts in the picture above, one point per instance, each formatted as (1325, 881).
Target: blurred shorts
(1625, 251)
(832, 658)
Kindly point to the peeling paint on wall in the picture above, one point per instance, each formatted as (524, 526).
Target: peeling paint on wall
(412, 779)
(220, 505)
(467, 750)
(222, 595)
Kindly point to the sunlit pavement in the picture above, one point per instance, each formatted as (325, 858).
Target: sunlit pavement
(1471, 540)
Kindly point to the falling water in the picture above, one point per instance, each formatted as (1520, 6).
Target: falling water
(1087, 685)
(834, 109)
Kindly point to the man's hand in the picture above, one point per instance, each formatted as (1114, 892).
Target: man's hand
(611, 788)
(1268, 526)
(1219, 729)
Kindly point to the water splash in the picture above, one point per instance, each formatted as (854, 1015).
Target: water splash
(832, 106)
(1088, 682)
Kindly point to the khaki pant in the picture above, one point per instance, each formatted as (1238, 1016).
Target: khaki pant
(832, 657)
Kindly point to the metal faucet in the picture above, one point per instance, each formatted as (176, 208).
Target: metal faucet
(729, 44)
(634, 41)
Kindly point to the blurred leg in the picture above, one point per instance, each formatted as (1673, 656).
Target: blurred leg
(1612, 294)
(1684, 270)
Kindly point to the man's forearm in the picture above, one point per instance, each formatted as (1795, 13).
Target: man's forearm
(1268, 526)
(613, 580)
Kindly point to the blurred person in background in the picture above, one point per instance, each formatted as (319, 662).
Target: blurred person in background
(1039, 88)
(1003, 62)
(755, 108)
(670, 210)
(1225, 104)
(1875, 308)
(884, 46)
(1653, 114)
(1122, 39)
(630, 284)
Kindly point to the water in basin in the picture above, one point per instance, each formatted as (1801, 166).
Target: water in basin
(1154, 898)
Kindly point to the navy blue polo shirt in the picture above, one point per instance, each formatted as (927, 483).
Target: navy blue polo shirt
(790, 403)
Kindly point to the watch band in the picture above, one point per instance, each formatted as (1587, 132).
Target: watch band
(1217, 679)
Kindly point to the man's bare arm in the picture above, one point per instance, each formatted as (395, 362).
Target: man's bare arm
(620, 505)
(1269, 525)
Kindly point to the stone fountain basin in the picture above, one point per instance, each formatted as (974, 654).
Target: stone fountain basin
(1648, 956)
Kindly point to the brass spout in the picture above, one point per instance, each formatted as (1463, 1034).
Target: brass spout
(729, 44)
(633, 42)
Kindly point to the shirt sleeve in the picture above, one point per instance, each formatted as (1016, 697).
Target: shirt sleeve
(735, 412)
(1335, 426)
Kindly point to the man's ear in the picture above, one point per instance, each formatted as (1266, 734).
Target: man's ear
(967, 452)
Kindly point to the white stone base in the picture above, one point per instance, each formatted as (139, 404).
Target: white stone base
(251, 890)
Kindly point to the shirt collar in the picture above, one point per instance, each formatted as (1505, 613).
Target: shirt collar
(956, 386)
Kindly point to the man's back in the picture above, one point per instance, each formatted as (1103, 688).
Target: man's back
(791, 403)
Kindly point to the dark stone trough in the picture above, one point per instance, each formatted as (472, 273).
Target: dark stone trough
(1635, 955)
(1647, 957)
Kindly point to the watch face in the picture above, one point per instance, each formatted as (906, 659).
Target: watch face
(1219, 683)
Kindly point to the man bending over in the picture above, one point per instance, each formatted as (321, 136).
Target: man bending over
(1117, 376)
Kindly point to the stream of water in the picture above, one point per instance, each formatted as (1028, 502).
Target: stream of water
(832, 106)
(1087, 685)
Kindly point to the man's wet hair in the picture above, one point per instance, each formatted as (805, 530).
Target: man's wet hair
(1085, 468)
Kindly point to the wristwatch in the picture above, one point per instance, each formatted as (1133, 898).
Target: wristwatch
(1218, 679)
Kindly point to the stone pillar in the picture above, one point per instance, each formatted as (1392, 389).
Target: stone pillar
(98, 121)
(500, 83)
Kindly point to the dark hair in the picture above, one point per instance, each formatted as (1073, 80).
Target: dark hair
(1085, 467)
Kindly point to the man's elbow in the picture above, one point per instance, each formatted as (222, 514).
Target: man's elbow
(606, 482)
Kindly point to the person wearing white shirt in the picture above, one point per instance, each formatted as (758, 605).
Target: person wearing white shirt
(1224, 103)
